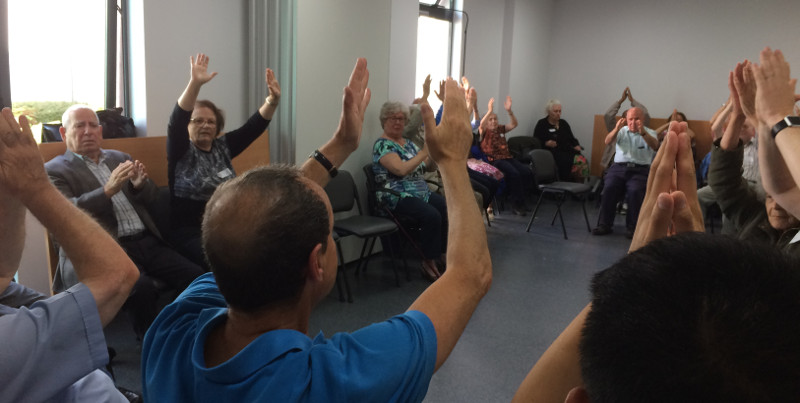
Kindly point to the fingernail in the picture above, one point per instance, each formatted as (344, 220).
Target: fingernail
(662, 201)
(680, 204)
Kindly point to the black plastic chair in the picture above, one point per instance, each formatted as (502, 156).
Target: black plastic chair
(343, 196)
(408, 226)
(546, 177)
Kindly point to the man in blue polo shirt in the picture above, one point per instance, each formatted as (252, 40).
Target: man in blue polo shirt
(239, 333)
(636, 146)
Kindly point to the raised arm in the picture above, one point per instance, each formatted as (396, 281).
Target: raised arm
(100, 263)
(485, 118)
(663, 210)
(612, 111)
(267, 109)
(775, 98)
(776, 177)
(348, 134)
(198, 76)
(451, 300)
(514, 123)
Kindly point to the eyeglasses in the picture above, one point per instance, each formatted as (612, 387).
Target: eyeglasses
(400, 119)
(200, 122)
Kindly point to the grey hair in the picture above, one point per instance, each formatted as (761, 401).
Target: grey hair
(550, 104)
(66, 116)
(390, 108)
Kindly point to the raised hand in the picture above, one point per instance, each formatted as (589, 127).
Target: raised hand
(138, 175)
(273, 86)
(21, 167)
(472, 101)
(354, 104)
(440, 93)
(199, 69)
(745, 85)
(507, 104)
(118, 177)
(451, 140)
(775, 95)
(670, 204)
(491, 105)
(465, 83)
(426, 88)
(624, 94)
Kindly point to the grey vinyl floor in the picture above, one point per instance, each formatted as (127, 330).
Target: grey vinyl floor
(540, 282)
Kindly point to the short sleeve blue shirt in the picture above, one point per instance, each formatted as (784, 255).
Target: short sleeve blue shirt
(391, 361)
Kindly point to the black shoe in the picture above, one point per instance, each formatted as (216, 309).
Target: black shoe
(602, 230)
(629, 233)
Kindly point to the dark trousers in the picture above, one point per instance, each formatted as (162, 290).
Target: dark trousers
(518, 176)
(485, 185)
(432, 220)
(188, 241)
(156, 262)
(623, 181)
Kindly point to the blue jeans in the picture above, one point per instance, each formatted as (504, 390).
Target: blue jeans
(432, 220)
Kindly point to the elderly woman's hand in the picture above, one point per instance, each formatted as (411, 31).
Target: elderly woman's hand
(273, 87)
(199, 69)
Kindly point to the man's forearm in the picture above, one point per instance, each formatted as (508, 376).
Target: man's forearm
(99, 261)
(776, 176)
(788, 142)
(335, 152)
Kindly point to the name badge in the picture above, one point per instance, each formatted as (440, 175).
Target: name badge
(796, 238)
(552, 130)
(225, 173)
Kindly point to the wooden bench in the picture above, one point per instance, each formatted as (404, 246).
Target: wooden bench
(701, 128)
(152, 152)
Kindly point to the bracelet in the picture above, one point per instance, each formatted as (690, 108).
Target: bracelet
(317, 155)
(789, 121)
(270, 103)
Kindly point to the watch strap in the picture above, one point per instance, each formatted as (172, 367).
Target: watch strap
(317, 155)
(788, 121)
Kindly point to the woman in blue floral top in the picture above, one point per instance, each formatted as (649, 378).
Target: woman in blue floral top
(399, 165)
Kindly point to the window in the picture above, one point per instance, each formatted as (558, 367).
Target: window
(60, 53)
(441, 33)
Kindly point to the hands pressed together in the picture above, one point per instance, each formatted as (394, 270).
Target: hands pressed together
(670, 204)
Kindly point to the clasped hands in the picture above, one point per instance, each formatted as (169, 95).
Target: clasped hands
(129, 170)
(670, 204)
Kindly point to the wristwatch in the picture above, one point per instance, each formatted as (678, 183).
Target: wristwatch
(789, 121)
(332, 171)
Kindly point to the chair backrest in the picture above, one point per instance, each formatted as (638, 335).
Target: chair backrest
(544, 166)
(520, 146)
(372, 196)
(342, 192)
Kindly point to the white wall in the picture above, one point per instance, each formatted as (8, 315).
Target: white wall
(673, 54)
(177, 29)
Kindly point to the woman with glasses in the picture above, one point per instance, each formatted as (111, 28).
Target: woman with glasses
(199, 154)
(399, 165)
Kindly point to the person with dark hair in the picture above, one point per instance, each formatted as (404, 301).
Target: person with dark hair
(676, 116)
(555, 135)
(200, 154)
(53, 348)
(117, 192)
(518, 176)
(627, 177)
(239, 333)
(693, 317)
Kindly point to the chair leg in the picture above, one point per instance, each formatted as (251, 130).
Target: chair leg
(561, 198)
(533, 215)
(360, 265)
(585, 216)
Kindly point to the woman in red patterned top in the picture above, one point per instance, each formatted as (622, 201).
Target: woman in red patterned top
(519, 178)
